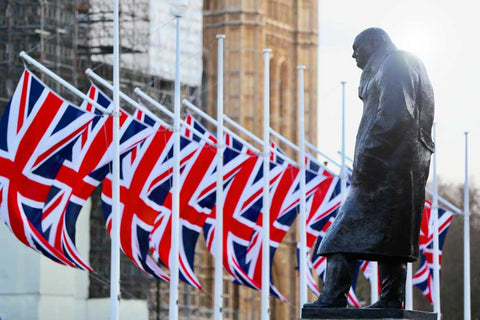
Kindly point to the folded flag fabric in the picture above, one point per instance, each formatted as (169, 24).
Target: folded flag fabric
(37, 133)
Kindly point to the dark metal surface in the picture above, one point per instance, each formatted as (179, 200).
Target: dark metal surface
(344, 313)
(380, 218)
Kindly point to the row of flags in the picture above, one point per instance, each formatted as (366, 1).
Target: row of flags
(54, 154)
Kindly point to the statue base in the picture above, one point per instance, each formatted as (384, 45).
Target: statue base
(347, 313)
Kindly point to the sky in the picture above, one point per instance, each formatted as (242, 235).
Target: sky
(443, 34)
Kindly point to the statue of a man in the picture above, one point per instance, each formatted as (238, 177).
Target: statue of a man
(380, 218)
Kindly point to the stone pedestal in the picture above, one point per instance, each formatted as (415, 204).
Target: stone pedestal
(385, 314)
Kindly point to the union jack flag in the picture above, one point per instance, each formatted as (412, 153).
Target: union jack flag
(37, 133)
(234, 155)
(144, 184)
(423, 278)
(74, 182)
(241, 216)
(200, 164)
(284, 208)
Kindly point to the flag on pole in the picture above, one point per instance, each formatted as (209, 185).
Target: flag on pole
(284, 208)
(423, 278)
(201, 164)
(144, 171)
(74, 183)
(37, 133)
(242, 206)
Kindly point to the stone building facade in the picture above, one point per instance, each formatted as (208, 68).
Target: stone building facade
(290, 29)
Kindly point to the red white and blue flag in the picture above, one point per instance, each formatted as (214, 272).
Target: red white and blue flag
(143, 171)
(37, 133)
(423, 278)
(242, 207)
(234, 155)
(74, 183)
(284, 208)
(195, 167)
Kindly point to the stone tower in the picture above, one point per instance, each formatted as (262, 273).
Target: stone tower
(290, 29)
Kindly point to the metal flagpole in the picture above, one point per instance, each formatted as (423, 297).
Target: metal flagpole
(466, 240)
(164, 109)
(219, 195)
(173, 303)
(127, 99)
(265, 305)
(296, 148)
(408, 288)
(343, 168)
(58, 79)
(434, 212)
(374, 282)
(115, 232)
(241, 129)
(302, 214)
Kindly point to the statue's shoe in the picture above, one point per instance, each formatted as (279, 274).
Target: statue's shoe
(325, 302)
(385, 304)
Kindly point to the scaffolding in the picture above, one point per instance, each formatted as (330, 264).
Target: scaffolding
(47, 29)
(134, 26)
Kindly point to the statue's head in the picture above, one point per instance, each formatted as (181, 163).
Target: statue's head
(368, 42)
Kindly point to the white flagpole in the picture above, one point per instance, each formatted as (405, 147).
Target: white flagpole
(466, 240)
(265, 303)
(241, 129)
(343, 175)
(302, 214)
(408, 288)
(214, 122)
(436, 260)
(115, 232)
(58, 79)
(219, 195)
(173, 302)
(374, 282)
(296, 148)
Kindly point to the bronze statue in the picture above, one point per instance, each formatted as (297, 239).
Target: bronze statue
(380, 218)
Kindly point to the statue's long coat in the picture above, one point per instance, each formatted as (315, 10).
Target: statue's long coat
(381, 215)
